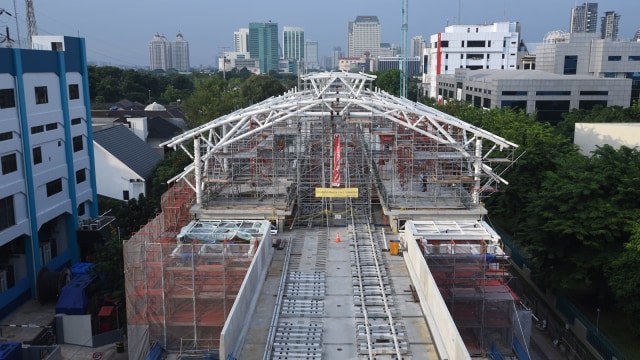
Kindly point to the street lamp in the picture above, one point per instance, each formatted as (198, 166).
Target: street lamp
(598, 322)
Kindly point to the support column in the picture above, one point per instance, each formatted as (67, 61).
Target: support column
(197, 165)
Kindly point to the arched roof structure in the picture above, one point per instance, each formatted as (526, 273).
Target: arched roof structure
(417, 141)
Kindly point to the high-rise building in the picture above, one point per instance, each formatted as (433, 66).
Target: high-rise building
(180, 54)
(159, 53)
(418, 44)
(47, 178)
(364, 37)
(311, 54)
(293, 43)
(336, 54)
(263, 45)
(609, 25)
(474, 47)
(241, 40)
(584, 18)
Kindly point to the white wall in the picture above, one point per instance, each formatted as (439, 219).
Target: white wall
(588, 136)
(113, 177)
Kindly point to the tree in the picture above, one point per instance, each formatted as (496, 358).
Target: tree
(260, 87)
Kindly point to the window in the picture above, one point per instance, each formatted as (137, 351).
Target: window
(54, 187)
(553, 93)
(609, 75)
(9, 164)
(634, 58)
(615, 58)
(7, 99)
(51, 126)
(514, 93)
(570, 64)
(37, 155)
(81, 210)
(590, 104)
(489, 43)
(595, 92)
(486, 103)
(6, 136)
(81, 176)
(125, 195)
(42, 97)
(7, 214)
(74, 92)
(462, 43)
(514, 104)
(476, 43)
(461, 56)
(444, 43)
(37, 129)
(76, 121)
(77, 143)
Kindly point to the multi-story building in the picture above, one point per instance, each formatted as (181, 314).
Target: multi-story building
(546, 94)
(159, 53)
(609, 25)
(364, 37)
(584, 18)
(238, 61)
(241, 40)
(336, 54)
(587, 54)
(47, 180)
(180, 54)
(293, 45)
(418, 44)
(490, 46)
(393, 63)
(263, 45)
(311, 54)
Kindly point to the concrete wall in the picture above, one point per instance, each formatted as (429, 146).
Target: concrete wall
(445, 334)
(588, 136)
(235, 328)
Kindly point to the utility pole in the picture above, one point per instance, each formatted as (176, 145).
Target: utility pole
(224, 62)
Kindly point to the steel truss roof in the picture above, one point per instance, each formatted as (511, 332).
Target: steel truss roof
(316, 100)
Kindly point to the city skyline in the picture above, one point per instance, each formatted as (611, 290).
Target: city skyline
(119, 37)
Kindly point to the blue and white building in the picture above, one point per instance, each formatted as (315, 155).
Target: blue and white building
(47, 180)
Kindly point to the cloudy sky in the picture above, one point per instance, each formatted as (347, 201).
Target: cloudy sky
(118, 32)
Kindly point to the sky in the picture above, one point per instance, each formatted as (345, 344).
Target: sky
(118, 32)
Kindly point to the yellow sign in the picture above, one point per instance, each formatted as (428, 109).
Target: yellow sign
(337, 192)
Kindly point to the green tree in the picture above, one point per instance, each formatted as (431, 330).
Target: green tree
(260, 87)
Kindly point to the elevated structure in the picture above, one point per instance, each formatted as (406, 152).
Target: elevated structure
(269, 161)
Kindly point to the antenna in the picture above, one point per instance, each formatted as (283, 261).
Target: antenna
(32, 28)
(403, 61)
(6, 39)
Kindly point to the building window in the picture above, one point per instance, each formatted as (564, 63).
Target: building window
(54, 187)
(74, 92)
(634, 58)
(42, 97)
(7, 99)
(37, 155)
(7, 214)
(594, 92)
(6, 136)
(81, 176)
(444, 43)
(81, 210)
(476, 43)
(9, 164)
(609, 75)
(615, 58)
(590, 104)
(489, 43)
(37, 129)
(553, 93)
(51, 126)
(77, 143)
(570, 64)
(76, 121)
(514, 93)
(125, 195)
(462, 43)
(486, 103)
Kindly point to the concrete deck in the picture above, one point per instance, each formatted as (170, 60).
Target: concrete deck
(339, 318)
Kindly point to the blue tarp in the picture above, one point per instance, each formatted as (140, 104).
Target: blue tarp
(155, 353)
(73, 299)
(520, 351)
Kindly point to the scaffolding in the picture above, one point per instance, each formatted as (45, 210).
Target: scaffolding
(181, 281)
(469, 268)
(272, 156)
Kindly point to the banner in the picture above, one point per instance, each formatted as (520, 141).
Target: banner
(335, 179)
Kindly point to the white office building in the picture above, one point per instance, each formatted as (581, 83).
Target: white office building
(159, 53)
(311, 55)
(241, 40)
(474, 47)
(364, 37)
(180, 54)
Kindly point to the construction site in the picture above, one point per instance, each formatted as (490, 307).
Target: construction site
(332, 172)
